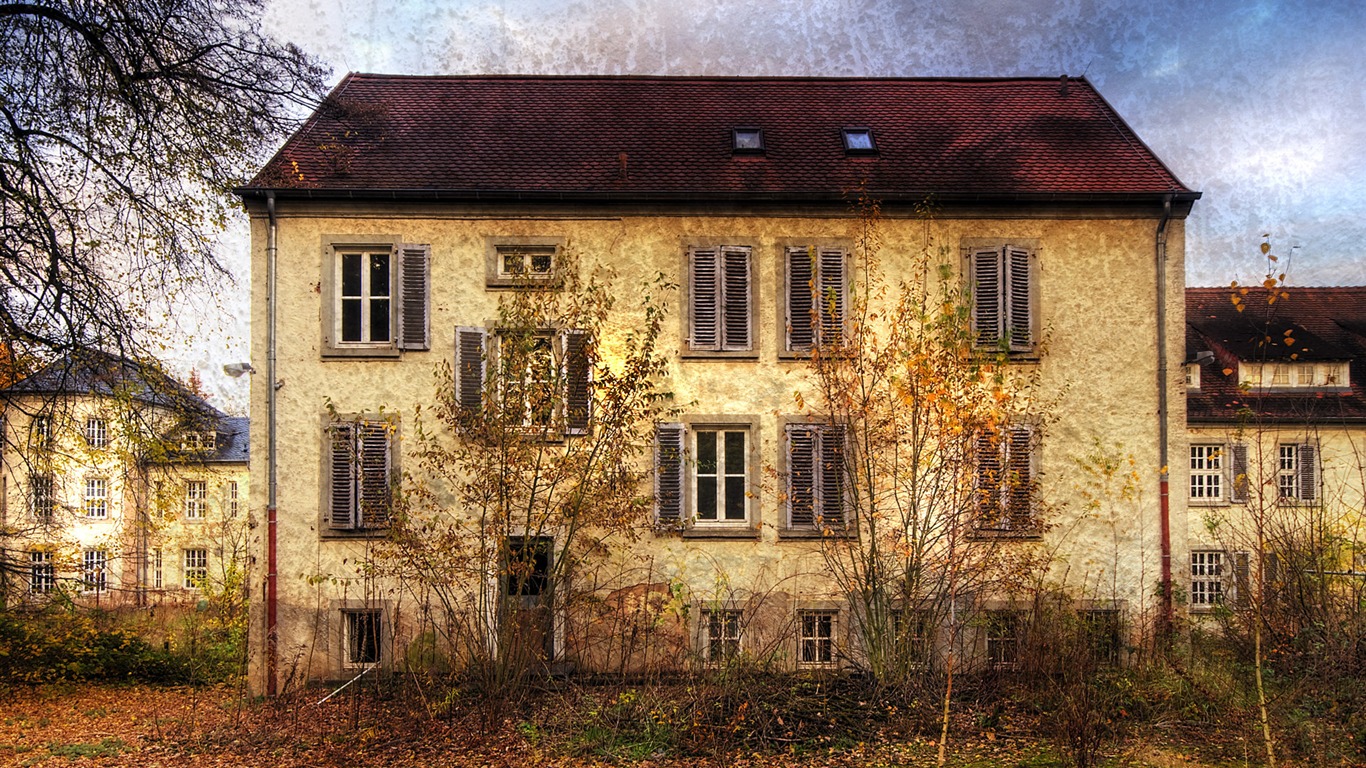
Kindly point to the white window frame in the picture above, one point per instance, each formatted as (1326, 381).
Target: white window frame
(232, 500)
(1297, 472)
(42, 572)
(97, 498)
(157, 573)
(95, 571)
(723, 475)
(96, 433)
(528, 256)
(42, 496)
(1208, 474)
(816, 631)
(195, 567)
(196, 499)
(1208, 578)
(368, 299)
(409, 297)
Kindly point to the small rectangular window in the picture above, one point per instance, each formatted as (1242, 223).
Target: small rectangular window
(1207, 473)
(42, 497)
(747, 141)
(97, 498)
(526, 262)
(196, 568)
(40, 431)
(365, 297)
(94, 576)
(363, 640)
(196, 499)
(816, 638)
(1207, 578)
(42, 573)
(1003, 638)
(722, 641)
(96, 433)
(1102, 630)
(720, 476)
(859, 141)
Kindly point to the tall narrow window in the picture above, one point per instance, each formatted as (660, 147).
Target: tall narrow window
(40, 431)
(42, 497)
(1207, 472)
(96, 432)
(42, 574)
(1297, 471)
(232, 500)
(816, 637)
(96, 498)
(816, 297)
(721, 314)
(157, 580)
(815, 491)
(360, 474)
(1207, 578)
(196, 498)
(196, 569)
(365, 296)
(1003, 638)
(1005, 481)
(720, 476)
(722, 642)
(1002, 297)
(95, 579)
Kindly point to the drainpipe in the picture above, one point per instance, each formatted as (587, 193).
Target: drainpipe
(1164, 499)
(272, 640)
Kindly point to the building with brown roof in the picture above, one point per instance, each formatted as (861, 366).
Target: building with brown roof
(385, 231)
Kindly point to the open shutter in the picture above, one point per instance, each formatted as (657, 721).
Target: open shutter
(1238, 488)
(376, 492)
(578, 383)
(801, 335)
(735, 289)
(1308, 467)
(414, 285)
(832, 476)
(1020, 482)
(471, 363)
(669, 472)
(832, 295)
(1019, 308)
(801, 476)
(341, 471)
(706, 300)
(987, 314)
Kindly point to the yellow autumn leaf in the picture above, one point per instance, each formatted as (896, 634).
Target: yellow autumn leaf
(1266, 247)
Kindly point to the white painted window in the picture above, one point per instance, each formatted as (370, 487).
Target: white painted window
(95, 577)
(196, 570)
(97, 498)
(42, 573)
(96, 432)
(196, 499)
(1207, 473)
(1207, 578)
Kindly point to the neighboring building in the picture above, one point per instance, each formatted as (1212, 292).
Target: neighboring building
(120, 486)
(389, 225)
(1276, 408)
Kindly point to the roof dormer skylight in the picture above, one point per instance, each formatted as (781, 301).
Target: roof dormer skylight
(747, 141)
(859, 141)
(1294, 375)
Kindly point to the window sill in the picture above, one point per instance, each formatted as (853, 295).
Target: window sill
(702, 354)
(359, 353)
(1208, 502)
(816, 534)
(719, 532)
(553, 283)
(987, 534)
(360, 534)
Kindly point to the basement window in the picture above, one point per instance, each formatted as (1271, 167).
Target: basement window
(859, 141)
(747, 141)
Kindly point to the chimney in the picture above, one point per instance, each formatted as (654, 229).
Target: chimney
(1062, 86)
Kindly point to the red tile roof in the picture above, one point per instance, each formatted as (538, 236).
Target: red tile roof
(670, 137)
(1325, 323)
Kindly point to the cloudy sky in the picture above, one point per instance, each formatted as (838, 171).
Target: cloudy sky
(1261, 105)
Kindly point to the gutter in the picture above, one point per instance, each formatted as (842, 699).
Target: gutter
(1164, 498)
(272, 511)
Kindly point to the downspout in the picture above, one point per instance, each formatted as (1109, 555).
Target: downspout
(1164, 499)
(272, 640)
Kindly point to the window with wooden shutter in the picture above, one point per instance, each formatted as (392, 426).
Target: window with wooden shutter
(1238, 469)
(669, 473)
(414, 280)
(816, 297)
(1308, 469)
(1005, 483)
(360, 474)
(720, 312)
(1002, 282)
(815, 476)
(471, 363)
(578, 400)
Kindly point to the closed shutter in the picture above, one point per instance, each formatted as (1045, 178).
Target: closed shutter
(414, 281)
(578, 384)
(801, 335)
(376, 493)
(1238, 491)
(735, 300)
(1017, 295)
(669, 472)
(832, 295)
(988, 480)
(471, 363)
(1019, 491)
(987, 310)
(801, 481)
(705, 300)
(1308, 465)
(1242, 581)
(342, 476)
(832, 476)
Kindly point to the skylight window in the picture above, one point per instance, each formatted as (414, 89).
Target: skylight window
(859, 141)
(748, 141)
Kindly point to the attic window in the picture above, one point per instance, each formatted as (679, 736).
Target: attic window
(747, 141)
(1294, 375)
(859, 141)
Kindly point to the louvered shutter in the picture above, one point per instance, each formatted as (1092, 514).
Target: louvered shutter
(1238, 488)
(1019, 312)
(669, 472)
(988, 480)
(801, 335)
(471, 364)
(1307, 457)
(832, 476)
(578, 383)
(801, 477)
(1019, 491)
(342, 476)
(832, 295)
(414, 285)
(1242, 581)
(376, 493)
(735, 290)
(987, 310)
(706, 300)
